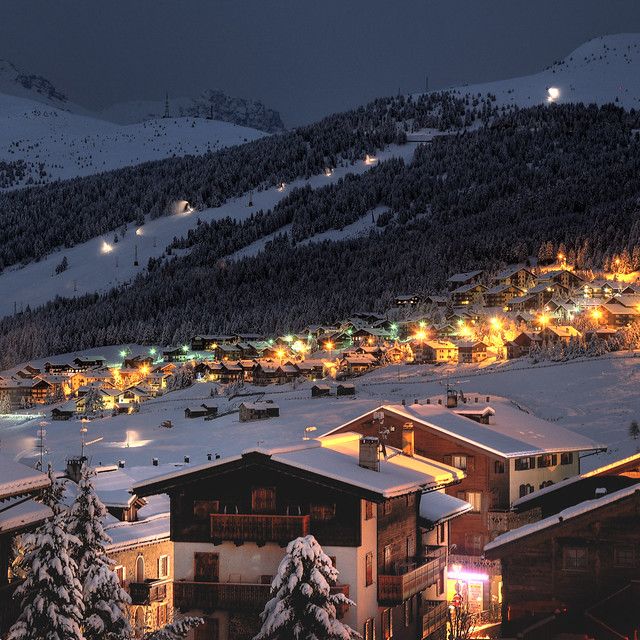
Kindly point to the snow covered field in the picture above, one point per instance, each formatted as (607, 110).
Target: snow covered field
(594, 397)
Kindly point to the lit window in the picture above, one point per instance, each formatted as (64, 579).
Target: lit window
(575, 559)
(121, 572)
(566, 458)
(459, 462)
(524, 464)
(547, 460)
(387, 624)
(498, 466)
(368, 510)
(474, 498)
(368, 570)
(369, 629)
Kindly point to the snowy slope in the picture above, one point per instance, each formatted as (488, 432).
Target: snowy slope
(92, 269)
(602, 70)
(59, 144)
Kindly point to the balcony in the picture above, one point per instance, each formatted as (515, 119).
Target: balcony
(148, 591)
(434, 617)
(242, 528)
(501, 521)
(412, 577)
(209, 596)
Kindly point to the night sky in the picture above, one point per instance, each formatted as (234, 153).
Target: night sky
(305, 58)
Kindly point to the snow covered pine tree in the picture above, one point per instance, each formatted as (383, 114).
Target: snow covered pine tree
(175, 630)
(302, 607)
(51, 595)
(105, 600)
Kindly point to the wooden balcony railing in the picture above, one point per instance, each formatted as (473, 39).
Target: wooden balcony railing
(209, 596)
(258, 528)
(148, 591)
(412, 578)
(499, 521)
(9, 606)
(434, 617)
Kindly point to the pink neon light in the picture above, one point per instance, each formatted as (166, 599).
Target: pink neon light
(466, 576)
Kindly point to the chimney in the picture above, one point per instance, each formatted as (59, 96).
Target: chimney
(186, 459)
(428, 400)
(408, 439)
(404, 402)
(208, 456)
(368, 457)
(74, 466)
(121, 464)
(415, 401)
(452, 398)
(155, 462)
(601, 492)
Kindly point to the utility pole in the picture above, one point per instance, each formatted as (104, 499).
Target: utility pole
(135, 255)
(426, 84)
(166, 106)
(42, 432)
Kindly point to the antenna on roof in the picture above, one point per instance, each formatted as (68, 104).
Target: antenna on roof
(166, 105)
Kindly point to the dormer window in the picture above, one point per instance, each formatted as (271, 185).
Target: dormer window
(263, 500)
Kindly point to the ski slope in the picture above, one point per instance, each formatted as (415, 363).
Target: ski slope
(596, 398)
(603, 70)
(58, 144)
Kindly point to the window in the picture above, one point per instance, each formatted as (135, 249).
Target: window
(161, 615)
(459, 462)
(121, 572)
(441, 533)
(566, 458)
(387, 559)
(575, 559)
(524, 464)
(440, 584)
(323, 512)
(263, 500)
(369, 629)
(474, 498)
(368, 569)
(206, 567)
(387, 624)
(408, 612)
(202, 509)
(163, 567)
(546, 483)
(547, 460)
(411, 499)
(526, 489)
(624, 556)
(411, 547)
(387, 507)
(368, 509)
(498, 466)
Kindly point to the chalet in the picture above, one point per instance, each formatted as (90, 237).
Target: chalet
(374, 516)
(471, 351)
(469, 294)
(137, 361)
(64, 412)
(410, 300)
(345, 389)
(370, 335)
(501, 294)
(601, 288)
(582, 561)
(266, 372)
(312, 369)
(504, 452)
(515, 276)
(435, 351)
(109, 398)
(522, 344)
(460, 279)
(438, 301)
(60, 367)
(614, 314)
(552, 334)
(19, 513)
(89, 362)
(258, 410)
(176, 354)
(542, 293)
(133, 395)
(563, 277)
(209, 342)
(630, 301)
(20, 392)
(201, 411)
(357, 364)
(320, 391)
(83, 378)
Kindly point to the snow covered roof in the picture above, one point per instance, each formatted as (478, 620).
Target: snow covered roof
(17, 479)
(129, 534)
(562, 516)
(499, 288)
(17, 513)
(513, 433)
(336, 457)
(509, 271)
(463, 277)
(619, 309)
(468, 287)
(437, 506)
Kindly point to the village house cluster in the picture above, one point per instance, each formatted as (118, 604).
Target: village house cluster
(419, 506)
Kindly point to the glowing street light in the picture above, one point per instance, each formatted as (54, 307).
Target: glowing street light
(106, 247)
(185, 348)
(596, 314)
(329, 346)
(420, 335)
(495, 323)
(152, 351)
(553, 93)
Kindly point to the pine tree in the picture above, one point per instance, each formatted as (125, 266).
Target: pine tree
(634, 429)
(174, 630)
(301, 606)
(53, 495)
(51, 595)
(93, 401)
(105, 600)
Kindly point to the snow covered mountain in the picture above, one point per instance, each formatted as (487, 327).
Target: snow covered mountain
(14, 82)
(210, 104)
(603, 70)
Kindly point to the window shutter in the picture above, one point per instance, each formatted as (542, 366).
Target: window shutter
(471, 461)
(447, 459)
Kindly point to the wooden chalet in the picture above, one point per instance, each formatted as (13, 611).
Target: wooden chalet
(258, 410)
(460, 279)
(563, 277)
(518, 277)
(469, 294)
(471, 351)
(501, 294)
(375, 517)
